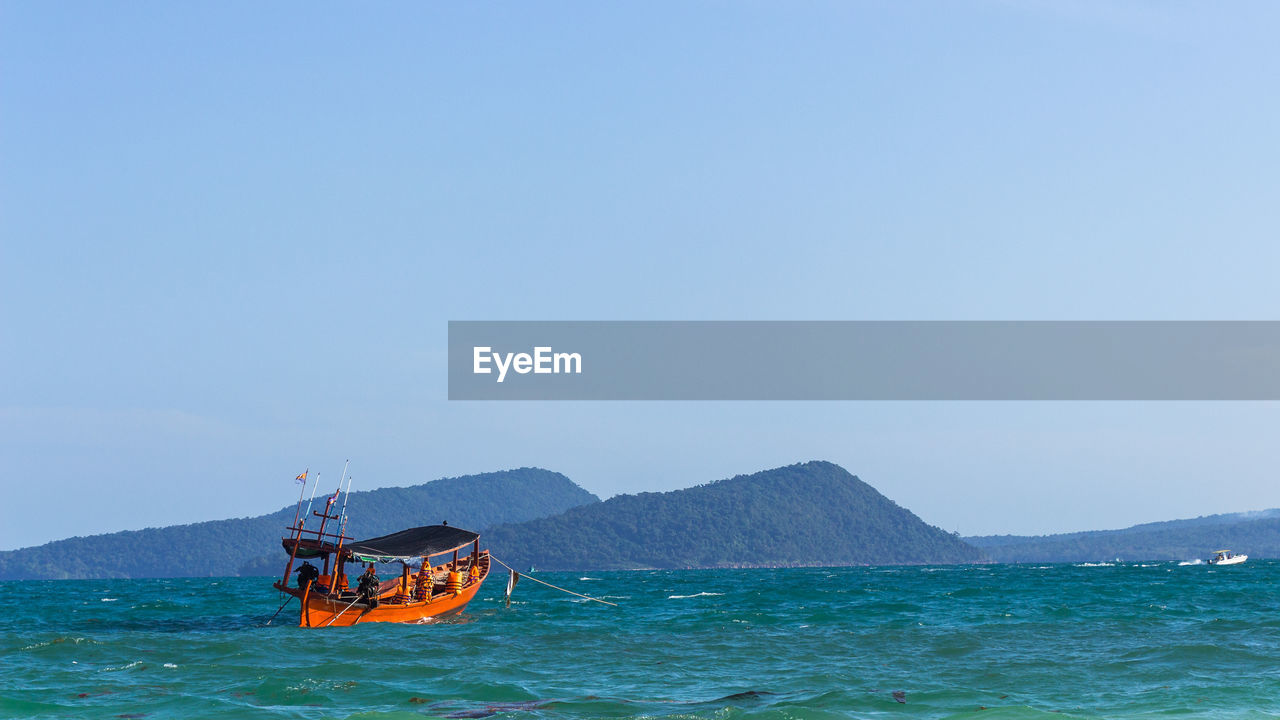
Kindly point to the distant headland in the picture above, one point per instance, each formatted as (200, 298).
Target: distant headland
(808, 514)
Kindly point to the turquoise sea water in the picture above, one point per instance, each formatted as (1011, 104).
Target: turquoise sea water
(999, 641)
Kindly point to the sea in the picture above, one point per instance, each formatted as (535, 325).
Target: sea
(1085, 640)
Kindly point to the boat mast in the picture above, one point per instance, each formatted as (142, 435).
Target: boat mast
(298, 522)
(329, 505)
(325, 517)
(342, 525)
(297, 514)
(315, 486)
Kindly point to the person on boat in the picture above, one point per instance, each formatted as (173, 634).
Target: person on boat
(369, 587)
(308, 573)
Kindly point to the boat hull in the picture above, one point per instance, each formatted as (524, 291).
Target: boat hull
(1233, 560)
(330, 611)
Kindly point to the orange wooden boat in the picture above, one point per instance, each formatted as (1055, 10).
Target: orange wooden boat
(447, 576)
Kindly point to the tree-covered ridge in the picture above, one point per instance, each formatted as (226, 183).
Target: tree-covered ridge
(1255, 534)
(252, 545)
(814, 513)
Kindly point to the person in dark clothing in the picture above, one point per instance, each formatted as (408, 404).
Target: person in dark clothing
(369, 587)
(307, 573)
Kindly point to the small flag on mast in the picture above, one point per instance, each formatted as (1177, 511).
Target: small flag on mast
(303, 477)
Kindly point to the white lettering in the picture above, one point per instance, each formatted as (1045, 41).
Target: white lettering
(502, 367)
(542, 362)
(567, 358)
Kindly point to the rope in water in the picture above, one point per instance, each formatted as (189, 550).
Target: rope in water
(587, 597)
(277, 612)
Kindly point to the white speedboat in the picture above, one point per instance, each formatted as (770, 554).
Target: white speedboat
(1226, 557)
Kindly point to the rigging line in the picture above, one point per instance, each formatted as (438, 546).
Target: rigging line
(277, 612)
(588, 597)
(344, 612)
(342, 528)
(313, 495)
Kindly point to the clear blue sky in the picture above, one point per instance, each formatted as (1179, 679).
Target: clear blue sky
(231, 236)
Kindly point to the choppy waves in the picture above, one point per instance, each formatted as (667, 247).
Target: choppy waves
(991, 641)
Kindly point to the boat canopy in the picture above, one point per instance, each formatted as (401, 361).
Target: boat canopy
(411, 544)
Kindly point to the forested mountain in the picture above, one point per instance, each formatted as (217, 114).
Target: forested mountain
(814, 513)
(1256, 534)
(252, 545)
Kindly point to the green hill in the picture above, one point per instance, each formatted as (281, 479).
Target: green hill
(251, 546)
(814, 513)
(1256, 534)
